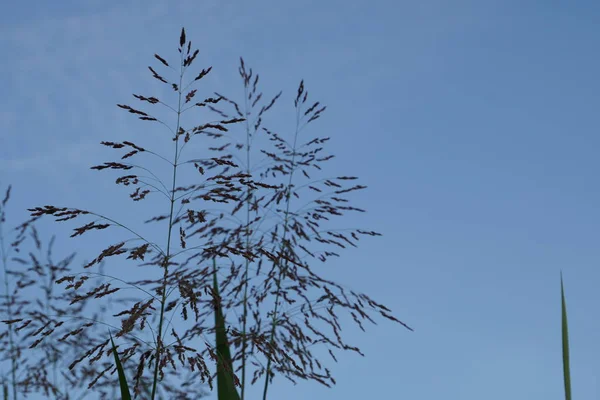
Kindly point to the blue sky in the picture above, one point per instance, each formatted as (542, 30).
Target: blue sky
(474, 124)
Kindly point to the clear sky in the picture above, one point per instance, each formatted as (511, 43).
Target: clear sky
(474, 124)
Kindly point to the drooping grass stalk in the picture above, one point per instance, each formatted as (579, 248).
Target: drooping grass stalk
(9, 301)
(48, 291)
(42, 373)
(565, 342)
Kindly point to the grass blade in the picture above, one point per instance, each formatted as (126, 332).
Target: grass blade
(125, 395)
(225, 384)
(565, 343)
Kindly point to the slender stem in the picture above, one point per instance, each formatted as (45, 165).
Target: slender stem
(51, 279)
(248, 204)
(166, 262)
(13, 353)
(282, 270)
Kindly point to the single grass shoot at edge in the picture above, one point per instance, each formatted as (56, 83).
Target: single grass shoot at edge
(565, 342)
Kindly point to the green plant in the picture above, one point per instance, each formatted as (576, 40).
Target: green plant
(171, 280)
(565, 342)
(125, 394)
(277, 232)
(226, 380)
(14, 355)
(31, 304)
(291, 223)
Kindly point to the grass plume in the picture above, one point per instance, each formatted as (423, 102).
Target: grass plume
(215, 264)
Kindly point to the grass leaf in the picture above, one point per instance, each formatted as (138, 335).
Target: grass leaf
(565, 343)
(225, 384)
(125, 395)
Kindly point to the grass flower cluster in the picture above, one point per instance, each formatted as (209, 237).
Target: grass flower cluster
(235, 285)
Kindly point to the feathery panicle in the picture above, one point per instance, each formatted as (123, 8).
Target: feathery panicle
(252, 226)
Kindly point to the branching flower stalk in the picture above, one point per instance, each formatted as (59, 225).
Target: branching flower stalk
(283, 243)
(168, 252)
(246, 262)
(220, 188)
(248, 95)
(287, 337)
(289, 354)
